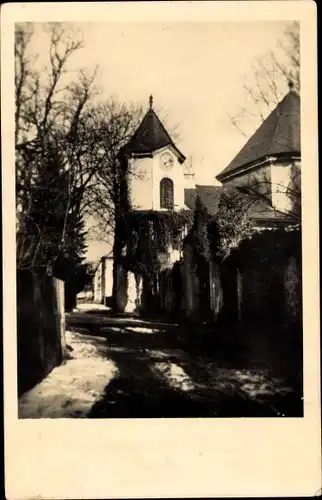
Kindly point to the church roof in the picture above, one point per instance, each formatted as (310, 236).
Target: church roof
(150, 136)
(279, 134)
(209, 195)
(258, 210)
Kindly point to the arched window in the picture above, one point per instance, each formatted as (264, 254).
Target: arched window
(166, 193)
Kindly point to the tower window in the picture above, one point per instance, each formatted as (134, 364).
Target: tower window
(166, 193)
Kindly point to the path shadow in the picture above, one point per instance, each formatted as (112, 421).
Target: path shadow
(139, 392)
(126, 338)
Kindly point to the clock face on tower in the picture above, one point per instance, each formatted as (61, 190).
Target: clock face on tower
(166, 161)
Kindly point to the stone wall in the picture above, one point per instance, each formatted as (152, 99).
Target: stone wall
(40, 327)
(292, 287)
(259, 284)
(270, 278)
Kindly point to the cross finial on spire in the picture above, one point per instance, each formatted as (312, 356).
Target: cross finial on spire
(290, 81)
(151, 101)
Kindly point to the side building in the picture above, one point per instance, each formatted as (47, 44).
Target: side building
(261, 278)
(103, 280)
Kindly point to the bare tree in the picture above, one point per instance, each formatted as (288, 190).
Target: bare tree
(233, 222)
(57, 119)
(267, 83)
(115, 124)
(281, 198)
(264, 196)
(44, 118)
(242, 209)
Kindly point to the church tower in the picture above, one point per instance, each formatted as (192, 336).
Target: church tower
(157, 172)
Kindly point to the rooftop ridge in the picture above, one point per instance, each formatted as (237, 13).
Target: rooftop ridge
(278, 134)
(150, 136)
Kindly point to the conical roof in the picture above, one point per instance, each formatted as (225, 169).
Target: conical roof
(279, 134)
(150, 136)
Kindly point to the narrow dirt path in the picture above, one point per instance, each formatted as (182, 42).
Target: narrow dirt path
(157, 378)
(129, 368)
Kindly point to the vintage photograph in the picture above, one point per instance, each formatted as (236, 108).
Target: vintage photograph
(158, 219)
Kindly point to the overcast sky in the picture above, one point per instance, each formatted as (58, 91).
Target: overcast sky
(194, 70)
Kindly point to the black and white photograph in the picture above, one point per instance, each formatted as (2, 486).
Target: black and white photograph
(158, 220)
(161, 263)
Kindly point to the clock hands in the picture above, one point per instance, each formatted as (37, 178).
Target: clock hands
(168, 161)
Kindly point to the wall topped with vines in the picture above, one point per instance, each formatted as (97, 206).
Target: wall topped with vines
(151, 234)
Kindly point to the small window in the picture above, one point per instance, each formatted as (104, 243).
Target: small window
(166, 194)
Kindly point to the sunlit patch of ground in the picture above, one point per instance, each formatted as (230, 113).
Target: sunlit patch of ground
(71, 389)
(85, 346)
(140, 329)
(128, 367)
(90, 313)
(118, 329)
(175, 376)
(172, 354)
(129, 329)
(255, 383)
(250, 383)
(258, 385)
(157, 354)
(86, 306)
(122, 349)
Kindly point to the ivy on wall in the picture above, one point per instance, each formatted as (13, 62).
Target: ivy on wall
(234, 225)
(151, 233)
(143, 238)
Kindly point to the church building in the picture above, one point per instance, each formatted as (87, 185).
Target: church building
(158, 196)
(266, 172)
(157, 175)
(158, 170)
